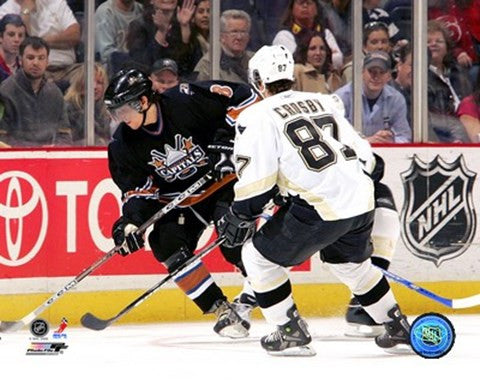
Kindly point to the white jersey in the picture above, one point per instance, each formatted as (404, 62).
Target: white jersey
(288, 140)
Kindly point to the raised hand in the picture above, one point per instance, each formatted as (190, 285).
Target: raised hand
(185, 12)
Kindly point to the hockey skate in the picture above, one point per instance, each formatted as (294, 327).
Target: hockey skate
(229, 322)
(396, 337)
(290, 339)
(360, 323)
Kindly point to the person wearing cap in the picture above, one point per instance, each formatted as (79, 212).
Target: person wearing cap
(384, 108)
(164, 75)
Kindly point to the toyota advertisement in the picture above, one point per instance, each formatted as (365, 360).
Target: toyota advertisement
(57, 208)
(56, 213)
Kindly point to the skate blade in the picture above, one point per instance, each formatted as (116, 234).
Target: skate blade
(400, 349)
(303, 351)
(366, 331)
(236, 331)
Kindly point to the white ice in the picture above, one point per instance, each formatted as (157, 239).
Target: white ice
(191, 353)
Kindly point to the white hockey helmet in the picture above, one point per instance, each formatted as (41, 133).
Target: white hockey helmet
(269, 64)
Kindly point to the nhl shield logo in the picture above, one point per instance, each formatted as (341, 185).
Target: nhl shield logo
(438, 216)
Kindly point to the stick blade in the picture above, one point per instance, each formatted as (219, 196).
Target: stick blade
(466, 302)
(11, 326)
(91, 321)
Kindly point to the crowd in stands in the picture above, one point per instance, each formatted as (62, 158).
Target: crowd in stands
(42, 74)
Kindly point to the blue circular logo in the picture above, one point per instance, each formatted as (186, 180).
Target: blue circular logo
(432, 335)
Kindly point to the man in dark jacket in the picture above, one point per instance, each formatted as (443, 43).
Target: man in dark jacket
(34, 108)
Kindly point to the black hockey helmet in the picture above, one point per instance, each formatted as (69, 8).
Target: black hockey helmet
(127, 86)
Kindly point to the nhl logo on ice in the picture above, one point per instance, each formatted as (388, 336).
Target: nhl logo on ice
(438, 216)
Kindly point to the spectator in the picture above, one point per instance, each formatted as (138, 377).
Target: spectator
(373, 12)
(34, 107)
(53, 21)
(201, 23)
(12, 33)
(302, 16)
(338, 15)
(79, 5)
(75, 106)
(400, 12)
(164, 75)
(313, 70)
(448, 84)
(384, 108)
(170, 38)
(454, 15)
(111, 24)
(201, 28)
(139, 33)
(265, 18)
(403, 76)
(234, 36)
(190, 39)
(473, 22)
(469, 113)
(375, 38)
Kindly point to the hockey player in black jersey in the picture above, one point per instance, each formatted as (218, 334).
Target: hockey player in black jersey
(163, 144)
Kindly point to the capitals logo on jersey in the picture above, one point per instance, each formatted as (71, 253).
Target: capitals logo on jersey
(438, 216)
(179, 162)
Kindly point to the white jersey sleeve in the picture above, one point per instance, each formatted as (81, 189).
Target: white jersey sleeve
(255, 153)
(286, 140)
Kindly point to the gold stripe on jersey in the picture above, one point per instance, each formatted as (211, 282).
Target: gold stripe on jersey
(256, 188)
(317, 202)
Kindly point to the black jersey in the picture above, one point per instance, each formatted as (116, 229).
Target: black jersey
(172, 154)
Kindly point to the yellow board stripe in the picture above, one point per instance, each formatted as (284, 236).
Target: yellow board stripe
(171, 305)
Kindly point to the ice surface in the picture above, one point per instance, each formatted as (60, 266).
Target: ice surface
(192, 353)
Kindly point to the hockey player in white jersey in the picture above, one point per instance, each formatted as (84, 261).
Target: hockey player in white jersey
(385, 230)
(285, 143)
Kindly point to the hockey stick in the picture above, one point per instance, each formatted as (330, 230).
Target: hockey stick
(466, 302)
(91, 321)
(12, 326)
(192, 200)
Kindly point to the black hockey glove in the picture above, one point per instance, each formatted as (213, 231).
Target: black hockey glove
(124, 235)
(221, 160)
(235, 229)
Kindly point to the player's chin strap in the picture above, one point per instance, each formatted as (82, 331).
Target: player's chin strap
(257, 84)
(145, 113)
